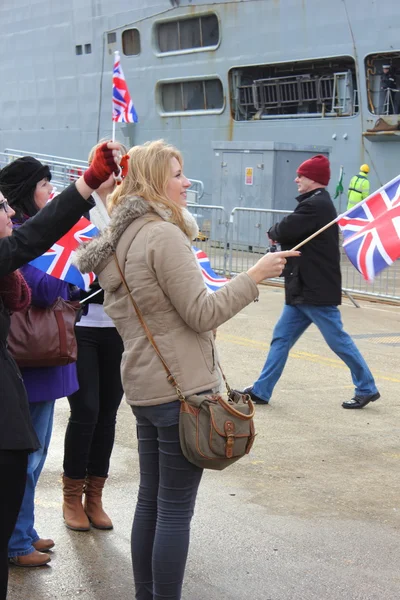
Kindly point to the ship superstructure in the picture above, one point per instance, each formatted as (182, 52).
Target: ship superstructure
(301, 73)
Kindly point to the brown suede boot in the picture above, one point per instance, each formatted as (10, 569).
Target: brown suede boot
(34, 559)
(74, 515)
(93, 504)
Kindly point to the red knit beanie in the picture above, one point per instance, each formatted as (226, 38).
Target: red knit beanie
(316, 168)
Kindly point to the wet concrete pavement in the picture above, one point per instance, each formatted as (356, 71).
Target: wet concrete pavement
(312, 514)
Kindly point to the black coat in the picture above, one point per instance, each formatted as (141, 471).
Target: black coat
(314, 277)
(26, 243)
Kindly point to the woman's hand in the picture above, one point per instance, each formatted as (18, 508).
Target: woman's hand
(105, 161)
(270, 265)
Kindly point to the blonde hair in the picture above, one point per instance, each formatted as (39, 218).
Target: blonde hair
(124, 149)
(149, 169)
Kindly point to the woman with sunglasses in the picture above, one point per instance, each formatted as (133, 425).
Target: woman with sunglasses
(17, 436)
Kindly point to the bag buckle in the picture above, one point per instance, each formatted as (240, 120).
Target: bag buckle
(229, 428)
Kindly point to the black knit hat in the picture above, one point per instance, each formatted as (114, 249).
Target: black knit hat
(18, 182)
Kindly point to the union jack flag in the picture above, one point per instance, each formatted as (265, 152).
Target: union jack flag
(58, 260)
(371, 230)
(211, 279)
(123, 109)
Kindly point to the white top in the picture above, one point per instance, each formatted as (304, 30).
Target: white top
(96, 316)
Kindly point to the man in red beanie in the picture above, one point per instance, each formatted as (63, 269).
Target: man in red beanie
(313, 287)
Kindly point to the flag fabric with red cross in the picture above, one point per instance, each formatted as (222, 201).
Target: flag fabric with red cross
(57, 261)
(371, 230)
(123, 109)
(213, 281)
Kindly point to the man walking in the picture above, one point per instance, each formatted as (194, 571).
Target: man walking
(312, 288)
(358, 187)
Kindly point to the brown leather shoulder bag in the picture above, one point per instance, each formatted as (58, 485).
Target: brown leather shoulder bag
(44, 337)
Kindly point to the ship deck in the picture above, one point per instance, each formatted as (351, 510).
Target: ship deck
(313, 513)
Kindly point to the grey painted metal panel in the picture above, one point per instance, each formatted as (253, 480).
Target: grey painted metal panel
(61, 102)
(286, 164)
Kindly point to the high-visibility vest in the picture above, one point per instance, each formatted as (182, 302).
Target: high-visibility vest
(358, 189)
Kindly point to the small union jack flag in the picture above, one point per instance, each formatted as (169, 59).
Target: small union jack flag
(211, 279)
(58, 260)
(371, 230)
(123, 109)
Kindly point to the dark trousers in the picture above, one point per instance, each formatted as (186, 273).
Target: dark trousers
(165, 505)
(13, 467)
(89, 438)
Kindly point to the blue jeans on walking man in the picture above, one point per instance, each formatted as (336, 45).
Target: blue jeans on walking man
(292, 323)
(24, 534)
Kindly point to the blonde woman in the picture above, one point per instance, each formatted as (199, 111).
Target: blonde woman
(151, 232)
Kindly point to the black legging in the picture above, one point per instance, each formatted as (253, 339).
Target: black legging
(166, 499)
(13, 467)
(89, 438)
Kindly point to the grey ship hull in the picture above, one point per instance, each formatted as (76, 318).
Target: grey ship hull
(60, 102)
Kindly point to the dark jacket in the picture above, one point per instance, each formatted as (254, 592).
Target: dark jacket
(29, 241)
(314, 277)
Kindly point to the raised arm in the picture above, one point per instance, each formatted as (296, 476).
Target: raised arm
(39, 233)
(179, 276)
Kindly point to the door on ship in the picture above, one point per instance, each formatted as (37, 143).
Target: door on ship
(241, 182)
(243, 186)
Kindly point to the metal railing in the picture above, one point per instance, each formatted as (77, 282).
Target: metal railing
(236, 241)
(233, 241)
(65, 170)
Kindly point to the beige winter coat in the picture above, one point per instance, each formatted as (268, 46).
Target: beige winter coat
(166, 282)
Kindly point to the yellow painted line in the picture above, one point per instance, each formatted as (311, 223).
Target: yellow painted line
(316, 358)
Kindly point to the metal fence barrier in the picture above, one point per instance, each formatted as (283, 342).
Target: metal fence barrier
(63, 170)
(66, 170)
(236, 241)
(233, 242)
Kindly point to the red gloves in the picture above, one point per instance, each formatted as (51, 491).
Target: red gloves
(103, 164)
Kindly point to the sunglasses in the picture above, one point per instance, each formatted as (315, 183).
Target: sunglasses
(4, 205)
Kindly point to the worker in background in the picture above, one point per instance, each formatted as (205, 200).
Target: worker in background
(359, 187)
(389, 91)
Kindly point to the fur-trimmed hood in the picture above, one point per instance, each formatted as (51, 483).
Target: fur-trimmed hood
(93, 254)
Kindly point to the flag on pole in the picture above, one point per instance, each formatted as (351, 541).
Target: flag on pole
(371, 230)
(339, 187)
(57, 261)
(211, 279)
(123, 109)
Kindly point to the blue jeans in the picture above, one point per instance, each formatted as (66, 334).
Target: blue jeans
(24, 534)
(165, 505)
(292, 323)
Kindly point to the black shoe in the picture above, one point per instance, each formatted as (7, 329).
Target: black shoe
(361, 401)
(255, 399)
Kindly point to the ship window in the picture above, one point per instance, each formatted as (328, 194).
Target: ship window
(302, 89)
(88, 48)
(131, 42)
(111, 37)
(188, 34)
(78, 50)
(382, 73)
(197, 95)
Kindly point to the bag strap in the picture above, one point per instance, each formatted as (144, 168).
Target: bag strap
(171, 379)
